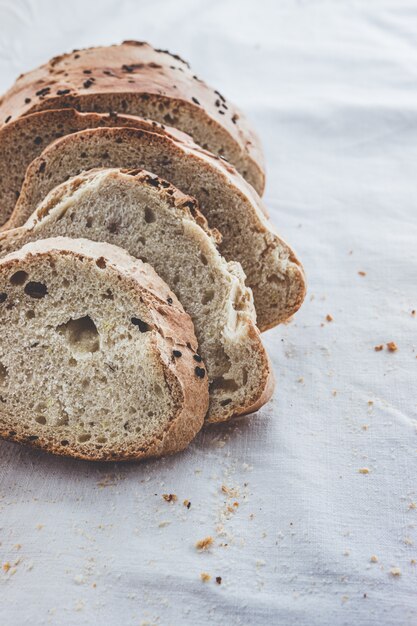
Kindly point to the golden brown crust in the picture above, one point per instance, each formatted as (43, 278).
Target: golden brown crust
(174, 328)
(128, 78)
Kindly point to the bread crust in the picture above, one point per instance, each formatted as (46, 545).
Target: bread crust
(128, 78)
(173, 328)
(276, 251)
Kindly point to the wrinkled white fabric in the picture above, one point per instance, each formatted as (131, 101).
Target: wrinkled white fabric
(332, 89)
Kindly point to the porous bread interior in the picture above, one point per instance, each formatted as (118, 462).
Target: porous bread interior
(117, 208)
(271, 270)
(74, 370)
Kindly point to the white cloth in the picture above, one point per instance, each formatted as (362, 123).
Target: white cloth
(332, 89)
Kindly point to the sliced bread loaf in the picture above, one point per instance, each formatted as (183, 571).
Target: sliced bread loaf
(23, 140)
(135, 78)
(231, 205)
(154, 221)
(88, 354)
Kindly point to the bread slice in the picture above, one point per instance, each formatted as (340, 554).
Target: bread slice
(227, 201)
(135, 78)
(23, 140)
(89, 363)
(154, 221)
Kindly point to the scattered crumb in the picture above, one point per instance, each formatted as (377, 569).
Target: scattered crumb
(345, 599)
(374, 559)
(413, 313)
(395, 571)
(408, 541)
(334, 392)
(346, 553)
(219, 580)
(187, 503)
(370, 402)
(260, 563)
(363, 470)
(300, 380)
(204, 544)
(365, 427)
(413, 505)
(233, 493)
(379, 348)
(79, 579)
(329, 318)
(362, 273)
(169, 497)
(413, 562)
(163, 524)
(205, 577)
(392, 346)
(6, 566)
(17, 546)
(39, 526)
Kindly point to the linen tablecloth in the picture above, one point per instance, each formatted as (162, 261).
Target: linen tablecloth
(311, 503)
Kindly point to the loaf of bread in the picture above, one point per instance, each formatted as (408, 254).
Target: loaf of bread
(154, 221)
(135, 78)
(97, 356)
(22, 140)
(273, 272)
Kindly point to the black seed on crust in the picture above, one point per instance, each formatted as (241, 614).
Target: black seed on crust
(143, 326)
(37, 141)
(62, 92)
(8, 119)
(177, 353)
(27, 100)
(86, 71)
(200, 372)
(42, 167)
(170, 300)
(195, 100)
(87, 83)
(197, 358)
(43, 92)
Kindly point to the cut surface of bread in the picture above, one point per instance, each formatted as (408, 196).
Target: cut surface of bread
(231, 205)
(154, 221)
(137, 79)
(87, 354)
(22, 140)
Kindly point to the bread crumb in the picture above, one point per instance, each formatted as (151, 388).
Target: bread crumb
(379, 348)
(17, 546)
(187, 503)
(6, 566)
(370, 402)
(219, 580)
(204, 544)
(413, 313)
(329, 318)
(230, 491)
(408, 541)
(392, 346)
(413, 505)
(163, 524)
(395, 571)
(39, 526)
(362, 273)
(300, 380)
(205, 577)
(365, 427)
(169, 497)
(363, 470)
(413, 562)
(334, 392)
(374, 559)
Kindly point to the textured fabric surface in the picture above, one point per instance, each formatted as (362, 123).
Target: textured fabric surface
(332, 89)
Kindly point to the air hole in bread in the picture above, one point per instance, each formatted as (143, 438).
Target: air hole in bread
(72, 362)
(84, 437)
(3, 373)
(226, 402)
(30, 314)
(40, 419)
(102, 439)
(81, 335)
(65, 282)
(208, 296)
(19, 278)
(64, 442)
(224, 384)
(89, 222)
(3, 297)
(149, 216)
(101, 263)
(108, 295)
(203, 259)
(274, 278)
(36, 290)
(143, 326)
